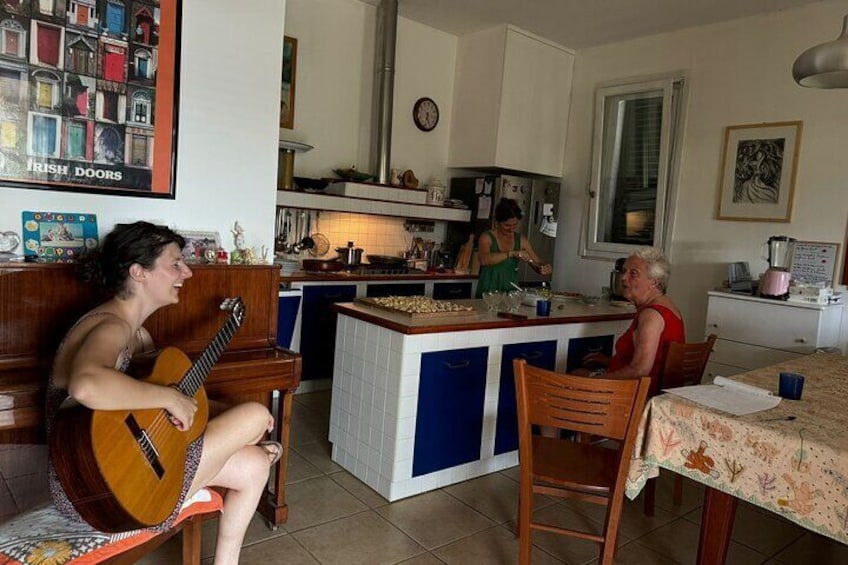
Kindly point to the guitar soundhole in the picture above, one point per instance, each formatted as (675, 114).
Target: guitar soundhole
(146, 446)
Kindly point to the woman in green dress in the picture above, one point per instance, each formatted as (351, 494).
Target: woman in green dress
(502, 249)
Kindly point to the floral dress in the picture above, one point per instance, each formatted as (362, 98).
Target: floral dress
(55, 397)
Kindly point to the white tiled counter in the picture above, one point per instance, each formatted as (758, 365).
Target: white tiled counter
(417, 405)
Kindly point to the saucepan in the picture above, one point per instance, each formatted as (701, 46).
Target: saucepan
(322, 265)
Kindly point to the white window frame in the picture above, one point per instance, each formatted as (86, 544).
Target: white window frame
(58, 132)
(670, 143)
(11, 26)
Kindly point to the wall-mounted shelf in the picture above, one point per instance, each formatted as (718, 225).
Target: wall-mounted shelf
(318, 201)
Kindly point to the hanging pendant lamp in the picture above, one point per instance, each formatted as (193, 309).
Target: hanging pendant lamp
(825, 65)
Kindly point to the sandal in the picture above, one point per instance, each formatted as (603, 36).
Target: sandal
(271, 447)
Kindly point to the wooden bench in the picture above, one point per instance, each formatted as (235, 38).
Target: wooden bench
(39, 302)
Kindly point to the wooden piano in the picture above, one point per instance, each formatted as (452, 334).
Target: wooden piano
(39, 302)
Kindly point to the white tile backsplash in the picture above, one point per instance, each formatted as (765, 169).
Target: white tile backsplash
(377, 235)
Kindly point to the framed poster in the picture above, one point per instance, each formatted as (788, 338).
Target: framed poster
(89, 96)
(758, 172)
(288, 82)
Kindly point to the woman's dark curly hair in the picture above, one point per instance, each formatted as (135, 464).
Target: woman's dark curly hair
(507, 209)
(125, 245)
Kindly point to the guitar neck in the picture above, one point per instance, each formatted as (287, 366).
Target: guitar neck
(195, 377)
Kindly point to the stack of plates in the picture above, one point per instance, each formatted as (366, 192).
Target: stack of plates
(288, 266)
(454, 203)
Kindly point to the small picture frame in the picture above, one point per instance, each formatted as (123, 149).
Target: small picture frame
(758, 171)
(198, 243)
(58, 237)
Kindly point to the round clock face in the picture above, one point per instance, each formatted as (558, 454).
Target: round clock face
(425, 114)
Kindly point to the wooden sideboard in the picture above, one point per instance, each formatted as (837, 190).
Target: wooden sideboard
(40, 301)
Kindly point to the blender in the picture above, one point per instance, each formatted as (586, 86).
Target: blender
(776, 279)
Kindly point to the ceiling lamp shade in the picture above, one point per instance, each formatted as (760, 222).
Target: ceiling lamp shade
(825, 65)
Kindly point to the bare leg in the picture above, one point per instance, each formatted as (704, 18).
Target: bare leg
(231, 460)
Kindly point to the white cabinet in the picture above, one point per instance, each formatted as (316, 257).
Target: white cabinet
(754, 332)
(511, 99)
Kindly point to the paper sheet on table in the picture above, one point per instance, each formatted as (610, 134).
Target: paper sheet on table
(729, 396)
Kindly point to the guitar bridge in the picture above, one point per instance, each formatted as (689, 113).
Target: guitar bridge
(146, 445)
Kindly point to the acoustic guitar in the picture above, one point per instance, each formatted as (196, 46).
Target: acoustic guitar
(124, 469)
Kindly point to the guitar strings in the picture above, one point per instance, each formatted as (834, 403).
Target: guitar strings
(195, 376)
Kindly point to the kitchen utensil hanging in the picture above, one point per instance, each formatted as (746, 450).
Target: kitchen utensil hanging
(322, 245)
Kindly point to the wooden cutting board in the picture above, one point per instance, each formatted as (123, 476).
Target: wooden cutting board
(417, 315)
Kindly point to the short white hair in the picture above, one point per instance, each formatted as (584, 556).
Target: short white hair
(658, 267)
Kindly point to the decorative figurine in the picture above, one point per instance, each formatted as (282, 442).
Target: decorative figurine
(223, 257)
(238, 235)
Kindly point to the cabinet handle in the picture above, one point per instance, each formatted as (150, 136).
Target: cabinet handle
(454, 291)
(712, 325)
(460, 365)
(597, 349)
(800, 340)
(531, 356)
(333, 296)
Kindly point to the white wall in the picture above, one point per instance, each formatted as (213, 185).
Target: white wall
(334, 88)
(739, 73)
(228, 131)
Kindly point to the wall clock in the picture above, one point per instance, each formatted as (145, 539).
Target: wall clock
(425, 114)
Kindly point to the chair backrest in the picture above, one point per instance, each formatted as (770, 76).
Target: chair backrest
(685, 363)
(601, 407)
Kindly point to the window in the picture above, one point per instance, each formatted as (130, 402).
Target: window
(141, 108)
(46, 89)
(633, 160)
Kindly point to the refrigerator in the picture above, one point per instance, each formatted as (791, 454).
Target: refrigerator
(539, 203)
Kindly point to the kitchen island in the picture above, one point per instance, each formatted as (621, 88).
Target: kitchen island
(421, 403)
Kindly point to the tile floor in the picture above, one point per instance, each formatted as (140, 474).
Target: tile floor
(336, 519)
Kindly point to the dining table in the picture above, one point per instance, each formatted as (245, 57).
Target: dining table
(791, 459)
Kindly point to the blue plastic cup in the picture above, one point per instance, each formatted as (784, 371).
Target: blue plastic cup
(791, 386)
(543, 307)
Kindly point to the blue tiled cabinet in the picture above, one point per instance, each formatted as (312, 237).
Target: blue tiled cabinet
(318, 328)
(449, 422)
(539, 354)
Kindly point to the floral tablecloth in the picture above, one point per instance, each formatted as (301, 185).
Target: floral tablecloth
(797, 468)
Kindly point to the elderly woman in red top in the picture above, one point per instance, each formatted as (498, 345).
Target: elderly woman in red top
(642, 349)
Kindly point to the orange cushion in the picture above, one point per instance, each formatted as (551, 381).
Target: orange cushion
(46, 537)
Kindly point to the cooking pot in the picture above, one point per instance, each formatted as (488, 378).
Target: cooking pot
(350, 255)
(322, 265)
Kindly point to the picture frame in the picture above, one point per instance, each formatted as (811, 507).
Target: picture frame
(58, 237)
(287, 85)
(95, 108)
(758, 170)
(814, 261)
(197, 243)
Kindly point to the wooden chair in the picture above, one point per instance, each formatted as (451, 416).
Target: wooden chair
(566, 469)
(684, 366)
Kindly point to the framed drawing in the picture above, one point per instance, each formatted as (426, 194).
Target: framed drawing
(288, 82)
(200, 246)
(758, 172)
(58, 237)
(89, 96)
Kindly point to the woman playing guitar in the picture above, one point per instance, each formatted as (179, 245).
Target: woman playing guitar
(141, 266)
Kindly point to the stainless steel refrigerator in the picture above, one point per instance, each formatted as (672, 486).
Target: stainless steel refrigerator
(539, 203)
